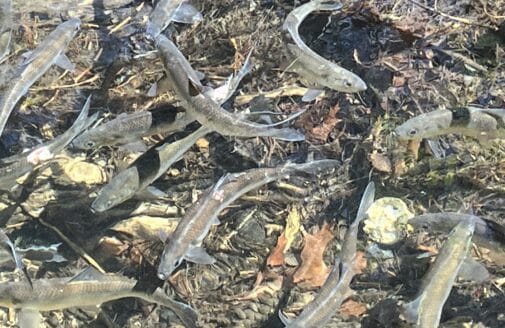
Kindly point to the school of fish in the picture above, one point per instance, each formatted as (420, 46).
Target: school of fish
(28, 297)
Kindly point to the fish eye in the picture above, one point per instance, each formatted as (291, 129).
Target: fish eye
(413, 132)
(177, 262)
(348, 84)
(90, 144)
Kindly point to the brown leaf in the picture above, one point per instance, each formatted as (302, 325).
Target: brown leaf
(270, 288)
(276, 258)
(380, 162)
(323, 130)
(313, 271)
(352, 308)
(360, 262)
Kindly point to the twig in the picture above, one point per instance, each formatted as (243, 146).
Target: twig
(74, 246)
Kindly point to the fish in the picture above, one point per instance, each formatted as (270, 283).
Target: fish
(143, 171)
(317, 71)
(50, 51)
(208, 112)
(482, 124)
(167, 11)
(185, 242)
(127, 130)
(5, 27)
(16, 166)
(487, 233)
(334, 290)
(426, 309)
(88, 288)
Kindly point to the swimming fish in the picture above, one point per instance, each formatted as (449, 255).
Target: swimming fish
(127, 130)
(483, 124)
(50, 51)
(185, 242)
(143, 171)
(167, 11)
(206, 110)
(89, 288)
(5, 27)
(316, 70)
(7, 244)
(334, 290)
(426, 309)
(17, 165)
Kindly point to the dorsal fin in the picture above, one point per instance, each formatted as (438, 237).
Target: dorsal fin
(87, 274)
(193, 89)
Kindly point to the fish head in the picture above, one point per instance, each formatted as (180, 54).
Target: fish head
(121, 188)
(425, 125)
(84, 141)
(74, 24)
(171, 258)
(346, 82)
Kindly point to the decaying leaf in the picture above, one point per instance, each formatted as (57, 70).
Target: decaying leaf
(380, 162)
(323, 130)
(270, 287)
(352, 308)
(276, 258)
(79, 171)
(146, 227)
(313, 271)
(360, 262)
(285, 240)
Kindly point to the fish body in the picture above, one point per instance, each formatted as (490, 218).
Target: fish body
(206, 110)
(5, 27)
(167, 11)
(334, 290)
(316, 70)
(184, 244)
(143, 171)
(17, 165)
(482, 124)
(130, 128)
(50, 51)
(426, 309)
(61, 293)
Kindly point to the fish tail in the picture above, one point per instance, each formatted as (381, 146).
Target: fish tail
(186, 313)
(327, 5)
(286, 134)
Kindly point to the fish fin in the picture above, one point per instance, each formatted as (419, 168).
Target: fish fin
(410, 310)
(472, 270)
(193, 89)
(215, 221)
(200, 75)
(135, 147)
(187, 14)
(88, 274)
(153, 90)
(65, 63)
(197, 254)
(163, 235)
(287, 134)
(29, 318)
(285, 320)
(150, 192)
(311, 94)
(92, 310)
(290, 118)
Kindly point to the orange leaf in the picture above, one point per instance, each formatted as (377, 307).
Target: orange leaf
(276, 258)
(359, 262)
(313, 271)
(353, 309)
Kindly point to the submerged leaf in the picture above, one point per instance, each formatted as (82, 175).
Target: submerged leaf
(313, 271)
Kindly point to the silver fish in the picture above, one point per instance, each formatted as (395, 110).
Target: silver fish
(426, 309)
(17, 165)
(7, 244)
(331, 295)
(205, 110)
(312, 67)
(128, 129)
(5, 27)
(184, 244)
(48, 52)
(480, 123)
(143, 171)
(167, 11)
(89, 288)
